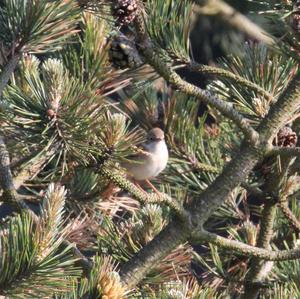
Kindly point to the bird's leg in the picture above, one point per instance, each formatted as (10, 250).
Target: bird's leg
(149, 184)
(152, 187)
(109, 190)
(139, 186)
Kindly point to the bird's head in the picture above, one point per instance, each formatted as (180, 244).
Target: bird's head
(155, 135)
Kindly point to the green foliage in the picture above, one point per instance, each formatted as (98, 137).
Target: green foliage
(37, 26)
(282, 22)
(279, 291)
(16, 259)
(78, 113)
(50, 110)
(58, 110)
(188, 289)
(169, 25)
(34, 260)
(288, 271)
(103, 282)
(122, 239)
(148, 222)
(83, 182)
(259, 65)
(115, 241)
(87, 57)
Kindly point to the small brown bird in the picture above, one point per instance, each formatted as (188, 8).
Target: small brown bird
(152, 160)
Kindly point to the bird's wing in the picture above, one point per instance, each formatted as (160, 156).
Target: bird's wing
(136, 158)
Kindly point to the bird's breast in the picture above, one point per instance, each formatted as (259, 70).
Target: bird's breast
(151, 164)
(159, 157)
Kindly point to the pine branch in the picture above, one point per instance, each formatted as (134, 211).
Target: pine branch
(203, 206)
(244, 249)
(205, 69)
(33, 263)
(32, 165)
(148, 51)
(282, 203)
(141, 196)
(229, 15)
(37, 26)
(266, 225)
(8, 70)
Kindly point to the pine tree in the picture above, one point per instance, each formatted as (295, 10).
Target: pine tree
(81, 83)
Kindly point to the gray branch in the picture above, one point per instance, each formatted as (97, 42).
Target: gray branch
(245, 249)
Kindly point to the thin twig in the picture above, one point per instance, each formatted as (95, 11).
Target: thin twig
(206, 69)
(84, 262)
(245, 249)
(293, 221)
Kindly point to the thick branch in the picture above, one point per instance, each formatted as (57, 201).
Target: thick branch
(266, 225)
(283, 111)
(245, 249)
(203, 95)
(6, 181)
(205, 69)
(136, 268)
(229, 15)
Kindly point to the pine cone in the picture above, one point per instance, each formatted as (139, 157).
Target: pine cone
(286, 137)
(123, 53)
(125, 11)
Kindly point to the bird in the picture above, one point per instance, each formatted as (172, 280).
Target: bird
(151, 160)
